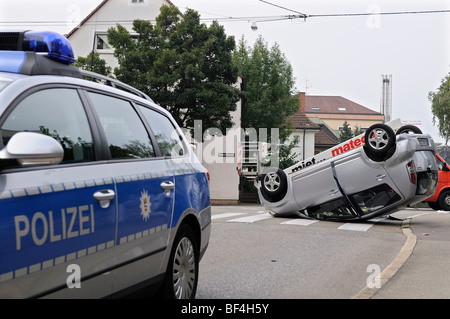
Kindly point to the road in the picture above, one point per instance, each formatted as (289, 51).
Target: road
(423, 275)
(254, 255)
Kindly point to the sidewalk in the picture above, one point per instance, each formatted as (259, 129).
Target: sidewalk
(420, 271)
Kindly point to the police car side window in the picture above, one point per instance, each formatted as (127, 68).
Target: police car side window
(58, 113)
(124, 130)
(166, 135)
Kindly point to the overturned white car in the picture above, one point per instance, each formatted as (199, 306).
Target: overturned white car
(373, 174)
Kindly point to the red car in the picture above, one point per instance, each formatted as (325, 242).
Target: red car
(441, 198)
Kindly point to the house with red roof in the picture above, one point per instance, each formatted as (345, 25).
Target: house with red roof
(335, 110)
(320, 118)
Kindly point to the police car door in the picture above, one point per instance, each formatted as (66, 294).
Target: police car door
(57, 222)
(144, 188)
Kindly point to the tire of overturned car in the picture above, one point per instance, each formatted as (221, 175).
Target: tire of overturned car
(379, 142)
(274, 185)
(409, 129)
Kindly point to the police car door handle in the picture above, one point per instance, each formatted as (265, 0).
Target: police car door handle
(167, 186)
(104, 197)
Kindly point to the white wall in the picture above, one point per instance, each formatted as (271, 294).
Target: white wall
(305, 143)
(113, 12)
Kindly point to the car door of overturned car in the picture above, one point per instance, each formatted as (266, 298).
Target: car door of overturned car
(366, 183)
(315, 186)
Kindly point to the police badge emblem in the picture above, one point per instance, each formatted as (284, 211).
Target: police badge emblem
(145, 205)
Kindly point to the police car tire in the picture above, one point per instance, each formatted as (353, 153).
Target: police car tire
(385, 152)
(185, 237)
(280, 192)
(408, 129)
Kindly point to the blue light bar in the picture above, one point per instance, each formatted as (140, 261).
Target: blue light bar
(56, 46)
(12, 61)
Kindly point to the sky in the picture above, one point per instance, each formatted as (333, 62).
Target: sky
(334, 56)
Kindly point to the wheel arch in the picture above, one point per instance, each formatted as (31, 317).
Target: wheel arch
(191, 218)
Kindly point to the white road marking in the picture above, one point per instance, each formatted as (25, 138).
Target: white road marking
(262, 215)
(225, 215)
(301, 222)
(355, 227)
(250, 219)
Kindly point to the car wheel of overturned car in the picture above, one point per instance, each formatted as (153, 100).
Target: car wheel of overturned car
(182, 270)
(379, 142)
(274, 185)
(409, 129)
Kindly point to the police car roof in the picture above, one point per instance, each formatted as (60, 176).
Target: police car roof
(46, 53)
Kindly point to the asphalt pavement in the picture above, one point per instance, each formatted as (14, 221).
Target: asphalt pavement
(421, 269)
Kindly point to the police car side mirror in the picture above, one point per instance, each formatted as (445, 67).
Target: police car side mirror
(30, 148)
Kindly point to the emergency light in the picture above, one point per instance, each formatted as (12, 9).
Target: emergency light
(56, 46)
(36, 52)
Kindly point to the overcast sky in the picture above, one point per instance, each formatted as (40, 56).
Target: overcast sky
(343, 56)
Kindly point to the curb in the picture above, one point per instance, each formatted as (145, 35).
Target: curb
(395, 265)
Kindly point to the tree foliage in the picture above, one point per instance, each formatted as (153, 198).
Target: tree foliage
(440, 107)
(346, 132)
(269, 96)
(93, 63)
(185, 66)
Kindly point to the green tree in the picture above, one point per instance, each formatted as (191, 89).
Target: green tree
(346, 132)
(440, 107)
(185, 66)
(357, 130)
(269, 81)
(93, 63)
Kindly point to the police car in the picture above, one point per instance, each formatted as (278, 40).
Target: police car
(100, 193)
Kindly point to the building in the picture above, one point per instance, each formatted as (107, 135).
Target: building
(335, 110)
(219, 155)
(311, 135)
(90, 34)
(303, 135)
(326, 138)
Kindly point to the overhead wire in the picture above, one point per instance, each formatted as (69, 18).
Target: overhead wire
(278, 6)
(297, 15)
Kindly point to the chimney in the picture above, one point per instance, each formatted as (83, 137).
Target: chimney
(301, 97)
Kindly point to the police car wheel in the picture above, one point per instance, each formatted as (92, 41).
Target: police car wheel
(182, 271)
(379, 142)
(409, 129)
(274, 185)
